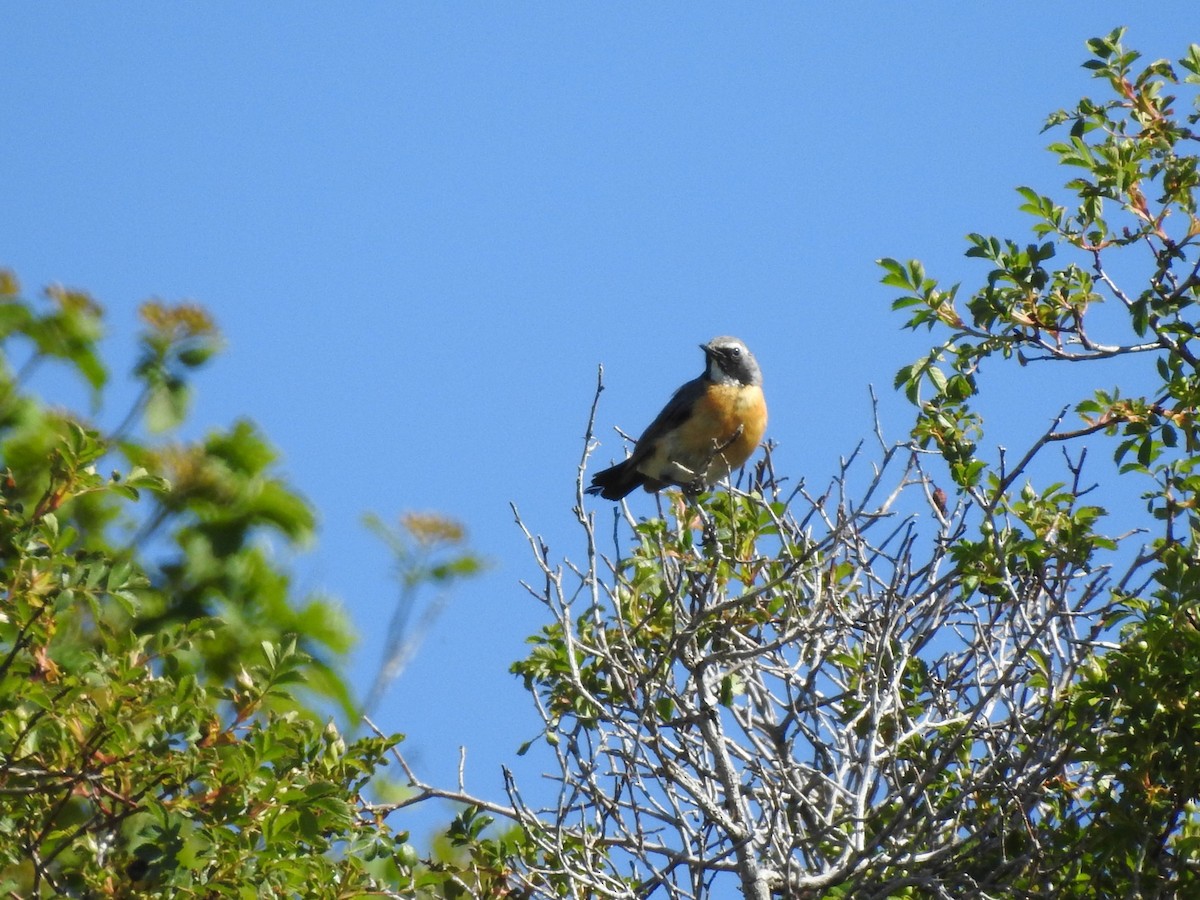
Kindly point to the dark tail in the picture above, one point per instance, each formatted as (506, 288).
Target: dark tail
(616, 482)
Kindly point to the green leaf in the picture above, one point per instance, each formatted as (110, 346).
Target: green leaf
(167, 406)
(198, 355)
(896, 275)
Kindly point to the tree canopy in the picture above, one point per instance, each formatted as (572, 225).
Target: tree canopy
(160, 681)
(951, 671)
(948, 670)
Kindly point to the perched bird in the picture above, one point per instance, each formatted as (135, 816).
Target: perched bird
(708, 429)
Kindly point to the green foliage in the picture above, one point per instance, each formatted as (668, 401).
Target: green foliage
(1137, 716)
(1124, 820)
(157, 675)
(780, 690)
(640, 635)
(178, 338)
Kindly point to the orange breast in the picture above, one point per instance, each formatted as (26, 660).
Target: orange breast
(706, 444)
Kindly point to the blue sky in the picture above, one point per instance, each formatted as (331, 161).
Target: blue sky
(422, 226)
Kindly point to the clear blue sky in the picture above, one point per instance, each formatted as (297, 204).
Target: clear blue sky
(422, 226)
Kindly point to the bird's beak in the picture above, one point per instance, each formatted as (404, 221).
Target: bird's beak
(707, 349)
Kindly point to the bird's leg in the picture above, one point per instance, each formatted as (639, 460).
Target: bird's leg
(708, 531)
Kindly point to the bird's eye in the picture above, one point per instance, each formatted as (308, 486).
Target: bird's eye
(735, 352)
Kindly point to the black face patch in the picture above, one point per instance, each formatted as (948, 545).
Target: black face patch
(729, 360)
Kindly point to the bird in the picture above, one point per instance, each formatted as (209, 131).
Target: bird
(707, 429)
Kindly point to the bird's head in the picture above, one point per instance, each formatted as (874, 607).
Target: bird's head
(730, 362)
